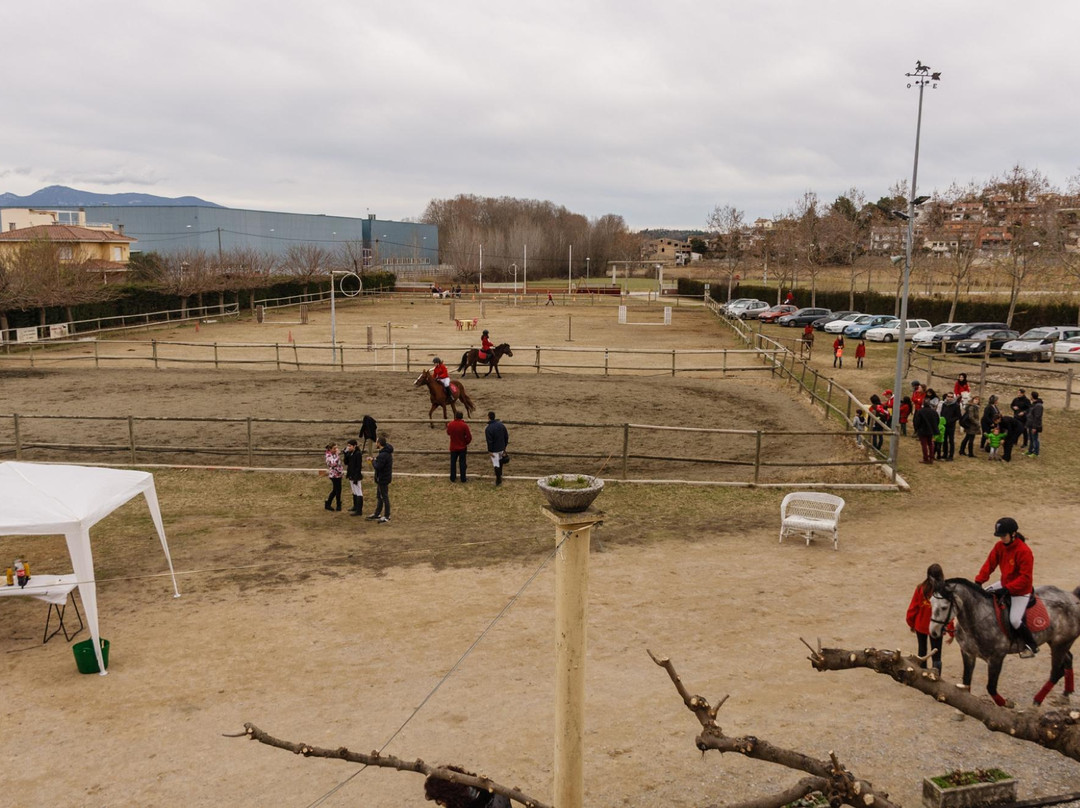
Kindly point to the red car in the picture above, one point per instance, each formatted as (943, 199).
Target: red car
(771, 315)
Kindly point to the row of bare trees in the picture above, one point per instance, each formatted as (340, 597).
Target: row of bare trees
(512, 231)
(1016, 232)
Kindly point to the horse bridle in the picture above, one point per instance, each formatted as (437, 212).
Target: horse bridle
(952, 607)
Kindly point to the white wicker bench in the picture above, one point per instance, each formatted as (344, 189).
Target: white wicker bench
(809, 512)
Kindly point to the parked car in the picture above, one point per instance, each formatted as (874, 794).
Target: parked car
(726, 307)
(923, 338)
(976, 344)
(820, 323)
(1037, 343)
(858, 329)
(954, 335)
(840, 323)
(803, 316)
(774, 313)
(890, 332)
(751, 310)
(1067, 350)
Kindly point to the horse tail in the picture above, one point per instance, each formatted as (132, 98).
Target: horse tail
(1076, 593)
(463, 397)
(464, 361)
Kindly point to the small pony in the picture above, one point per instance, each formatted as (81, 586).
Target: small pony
(471, 358)
(441, 397)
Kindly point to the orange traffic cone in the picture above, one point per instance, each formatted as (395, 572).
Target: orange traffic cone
(290, 335)
(196, 326)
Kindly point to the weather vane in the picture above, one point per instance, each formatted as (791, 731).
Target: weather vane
(923, 75)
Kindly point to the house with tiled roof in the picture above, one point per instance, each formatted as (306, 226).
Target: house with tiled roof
(100, 249)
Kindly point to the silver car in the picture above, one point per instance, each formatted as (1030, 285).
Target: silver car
(1038, 343)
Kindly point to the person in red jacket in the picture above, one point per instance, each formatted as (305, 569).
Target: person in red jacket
(918, 614)
(486, 347)
(860, 353)
(1014, 557)
(440, 372)
(460, 438)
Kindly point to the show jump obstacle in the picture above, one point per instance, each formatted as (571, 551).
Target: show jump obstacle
(624, 321)
(263, 314)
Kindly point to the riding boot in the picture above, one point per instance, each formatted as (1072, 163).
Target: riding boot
(498, 475)
(358, 506)
(1026, 637)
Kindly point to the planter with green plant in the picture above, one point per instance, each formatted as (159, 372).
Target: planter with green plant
(967, 789)
(570, 493)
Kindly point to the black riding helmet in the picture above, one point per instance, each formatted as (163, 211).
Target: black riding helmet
(486, 334)
(1005, 525)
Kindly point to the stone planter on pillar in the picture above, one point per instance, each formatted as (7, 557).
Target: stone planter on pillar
(570, 493)
(1002, 788)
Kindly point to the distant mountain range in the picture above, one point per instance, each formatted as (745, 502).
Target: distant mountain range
(60, 196)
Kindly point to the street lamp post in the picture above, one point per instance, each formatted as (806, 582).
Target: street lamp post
(515, 277)
(922, 76)
(586, 272)
(481, 286)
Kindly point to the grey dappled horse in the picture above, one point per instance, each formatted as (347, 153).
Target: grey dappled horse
(979, 634)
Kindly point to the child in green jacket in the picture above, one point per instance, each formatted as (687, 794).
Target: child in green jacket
(939, 438)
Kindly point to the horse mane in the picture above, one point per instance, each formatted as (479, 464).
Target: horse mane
(964, 582)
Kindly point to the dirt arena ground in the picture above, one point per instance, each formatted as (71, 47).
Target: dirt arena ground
(332, 630)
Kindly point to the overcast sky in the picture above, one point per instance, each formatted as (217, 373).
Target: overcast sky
(654, 111)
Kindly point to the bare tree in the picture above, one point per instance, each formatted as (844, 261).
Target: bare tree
(726, 224)
(308, 263)
(184, 274)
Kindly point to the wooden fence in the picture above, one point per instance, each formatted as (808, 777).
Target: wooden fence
(732, 457)
(986, 377)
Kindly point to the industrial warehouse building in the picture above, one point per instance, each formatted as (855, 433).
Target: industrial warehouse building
(172, 229)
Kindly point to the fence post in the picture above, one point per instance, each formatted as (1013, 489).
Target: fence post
(131, 436)
(813, 390)
(625, 448)
(296, 356)
(723, 370)
(18, 437)
(1068, 387)
(605, 361)
(757, 459)
(930, 370)
(828, 398)
(250, 464)
(96, 363)
(982, 379)
(673, 363)
(215, 357)
(31, 352)
(408, 357)
(277, 355)
(848, 415)
(153, 347)
(341, 358)
(537, 358)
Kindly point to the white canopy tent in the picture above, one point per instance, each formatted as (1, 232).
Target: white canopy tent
(44, 500)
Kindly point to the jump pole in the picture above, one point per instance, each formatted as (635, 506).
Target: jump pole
(573, 534)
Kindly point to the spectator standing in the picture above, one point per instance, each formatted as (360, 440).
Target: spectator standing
(550, 300)
(881, 416)
(969, 422)
(497, 439)
(961, 386)
(460, 438)
(950, 414)
(860, 353)
(905, 414)
(1020, 405)
(1034, 424)
(790, 299)
(933, 400)
(858, 423)
(989, 418)
(335, 470)
(918, 396)
(354, 473)
(925, 424)
(383, 466)
(919, 612)
(838, 352)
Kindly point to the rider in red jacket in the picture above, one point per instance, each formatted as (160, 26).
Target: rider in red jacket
(486, 346)
(1014, 557)
(440, 373)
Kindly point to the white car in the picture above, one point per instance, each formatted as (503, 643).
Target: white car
(838, 326)
(927, 336)
(1067, 350)
(726, 307)
(742, 309)
(1037, 343)
(891, 331)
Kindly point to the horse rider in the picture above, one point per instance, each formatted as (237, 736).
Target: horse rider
(442, 375)
(486, 347)
(1014, 557)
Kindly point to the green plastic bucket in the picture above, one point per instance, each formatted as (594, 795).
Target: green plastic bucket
(84, 655)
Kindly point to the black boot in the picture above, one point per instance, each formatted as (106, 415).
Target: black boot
(355, 509)
(498, 475)
(1026, 637)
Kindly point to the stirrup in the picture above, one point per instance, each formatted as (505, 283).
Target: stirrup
(1028, 652)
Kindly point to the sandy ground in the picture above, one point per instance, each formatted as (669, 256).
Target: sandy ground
(318, 643)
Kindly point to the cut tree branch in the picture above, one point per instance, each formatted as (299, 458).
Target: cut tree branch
(1055, 729)
(390, 762)
(828, 776)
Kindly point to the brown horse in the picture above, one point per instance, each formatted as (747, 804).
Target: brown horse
(439, 397)
(471, 358)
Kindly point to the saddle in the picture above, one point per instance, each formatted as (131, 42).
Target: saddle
(481, 356)
(1036, 616)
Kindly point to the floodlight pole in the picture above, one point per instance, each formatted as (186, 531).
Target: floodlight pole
(922, 76)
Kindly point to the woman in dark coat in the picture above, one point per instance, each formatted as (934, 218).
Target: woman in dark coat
(990, 414)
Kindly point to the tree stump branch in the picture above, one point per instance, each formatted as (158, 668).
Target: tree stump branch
(373, 758)
(828, 776)
(1058, 730)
